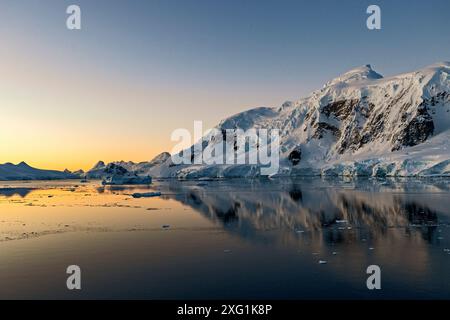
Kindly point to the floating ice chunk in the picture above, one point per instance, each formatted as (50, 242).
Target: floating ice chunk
(146, 194)
(334, 253)
(206, 179)
(323, 262)
(341, 221)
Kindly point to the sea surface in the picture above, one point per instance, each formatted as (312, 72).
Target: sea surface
(231, 239)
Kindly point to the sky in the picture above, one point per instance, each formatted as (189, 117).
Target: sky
(137, 70)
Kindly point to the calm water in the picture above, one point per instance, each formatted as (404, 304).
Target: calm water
(227, 239)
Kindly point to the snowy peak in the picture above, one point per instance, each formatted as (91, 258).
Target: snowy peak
(436, 79)
(160, 158)
(355, 75)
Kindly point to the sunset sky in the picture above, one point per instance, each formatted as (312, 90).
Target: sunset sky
(138, 70)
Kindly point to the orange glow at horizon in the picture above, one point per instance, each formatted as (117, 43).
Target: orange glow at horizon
(64, 110)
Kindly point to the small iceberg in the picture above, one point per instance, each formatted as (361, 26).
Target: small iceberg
(323, 262)
(146, 194)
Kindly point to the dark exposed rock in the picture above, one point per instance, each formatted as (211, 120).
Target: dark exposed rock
(421, 127)
(372, 130)
(366, 109)
(351, 139)
(416, 132)
(113, 168)
(340, 109)
(322, 127)
(442, 97)
(360, 126)
(295, 156)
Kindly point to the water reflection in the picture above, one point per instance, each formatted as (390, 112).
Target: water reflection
(233, 238)
(336, 211)
(10, 192)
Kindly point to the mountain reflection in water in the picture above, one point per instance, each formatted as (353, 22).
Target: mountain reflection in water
(318, 208)
(234, 239)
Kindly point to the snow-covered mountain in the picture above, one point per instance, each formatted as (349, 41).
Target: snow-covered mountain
(23, 171)
(358, 124)
(100, 170)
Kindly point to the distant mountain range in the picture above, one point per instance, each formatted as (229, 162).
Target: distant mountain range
(358, 124)
(23, 171)
(142, 168)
